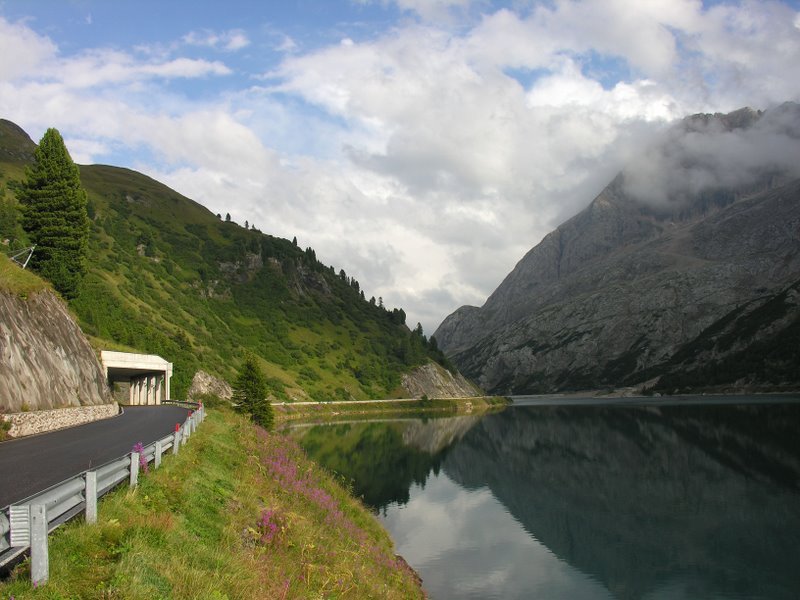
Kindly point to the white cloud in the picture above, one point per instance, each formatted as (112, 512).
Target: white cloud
(427, 158)
(104, 67)
(230, 41)
(84, 151)
(22, 50)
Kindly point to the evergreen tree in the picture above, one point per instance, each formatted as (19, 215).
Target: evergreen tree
(54, 214)
(250, 393)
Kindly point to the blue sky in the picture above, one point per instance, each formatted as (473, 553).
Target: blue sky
(422, 145)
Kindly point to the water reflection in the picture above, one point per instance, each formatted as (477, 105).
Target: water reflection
(587, 501)
(382, 459)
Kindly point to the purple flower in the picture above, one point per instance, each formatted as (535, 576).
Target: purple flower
(143, 465)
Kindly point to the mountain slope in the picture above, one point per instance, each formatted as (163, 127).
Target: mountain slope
(166, 276)
(616, 295)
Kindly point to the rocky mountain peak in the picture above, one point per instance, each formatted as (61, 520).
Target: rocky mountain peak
(703, 222)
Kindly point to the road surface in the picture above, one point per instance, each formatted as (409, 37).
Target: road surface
(31, 464)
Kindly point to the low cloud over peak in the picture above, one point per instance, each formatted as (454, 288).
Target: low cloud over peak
(720, 151)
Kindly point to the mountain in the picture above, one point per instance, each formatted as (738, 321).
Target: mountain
(168, 277)
(683, 272)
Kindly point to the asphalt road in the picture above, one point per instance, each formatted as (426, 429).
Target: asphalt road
(31, 464)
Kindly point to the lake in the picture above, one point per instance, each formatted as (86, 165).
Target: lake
(569, 499)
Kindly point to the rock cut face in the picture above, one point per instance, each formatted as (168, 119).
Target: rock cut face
(45, 360)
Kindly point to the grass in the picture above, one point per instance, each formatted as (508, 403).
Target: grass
(239, 513)
(18, 281)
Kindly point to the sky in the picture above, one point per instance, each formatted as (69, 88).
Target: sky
(423, 146)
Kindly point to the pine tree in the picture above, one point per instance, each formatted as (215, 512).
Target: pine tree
(54, 214)
(250, 393)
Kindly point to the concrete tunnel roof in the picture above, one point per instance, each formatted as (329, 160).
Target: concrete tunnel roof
(121, 366)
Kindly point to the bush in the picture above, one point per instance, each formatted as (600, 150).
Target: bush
(212, 401)
(5, 426)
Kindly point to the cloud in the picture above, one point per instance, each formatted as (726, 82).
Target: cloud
(424, 158)
(229, 41)
(83, 151)
(703, 154)
(104, 67)
(22, 50)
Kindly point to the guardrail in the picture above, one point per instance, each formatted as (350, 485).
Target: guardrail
(25, 525)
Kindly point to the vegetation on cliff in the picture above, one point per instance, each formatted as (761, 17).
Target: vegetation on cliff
(19, 282)
(239, 513)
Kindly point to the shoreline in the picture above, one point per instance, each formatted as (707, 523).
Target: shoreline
(302, 410)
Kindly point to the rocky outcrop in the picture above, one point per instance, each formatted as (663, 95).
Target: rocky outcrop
(617, 293)
(203, 383)
(435, 381)
(45, 360)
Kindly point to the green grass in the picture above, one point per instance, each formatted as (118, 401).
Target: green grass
(192, 530)
(18, 281)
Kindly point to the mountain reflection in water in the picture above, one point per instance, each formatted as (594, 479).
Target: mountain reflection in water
(699, 501)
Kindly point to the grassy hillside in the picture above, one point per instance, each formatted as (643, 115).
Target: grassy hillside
(239, 513)
(166, 276)
(14, 280)
(16, 151)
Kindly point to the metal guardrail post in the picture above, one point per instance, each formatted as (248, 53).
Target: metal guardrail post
(40, 561)
(134, 469)
(157, 455)
(91, 497)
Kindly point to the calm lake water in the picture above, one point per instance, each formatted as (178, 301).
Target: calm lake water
(685, 499)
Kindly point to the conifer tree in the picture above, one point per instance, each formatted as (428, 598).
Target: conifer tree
(54, 214)
(250, 393)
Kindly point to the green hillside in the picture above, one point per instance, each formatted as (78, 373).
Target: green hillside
(168, 277)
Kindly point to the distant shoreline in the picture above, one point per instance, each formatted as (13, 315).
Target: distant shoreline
(586, 399)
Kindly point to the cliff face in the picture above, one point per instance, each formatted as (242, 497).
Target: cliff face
(45, 360)
(204, 383)
(620, 293)
(436, 382)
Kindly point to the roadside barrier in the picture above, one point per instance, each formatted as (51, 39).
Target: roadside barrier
(26, 524)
